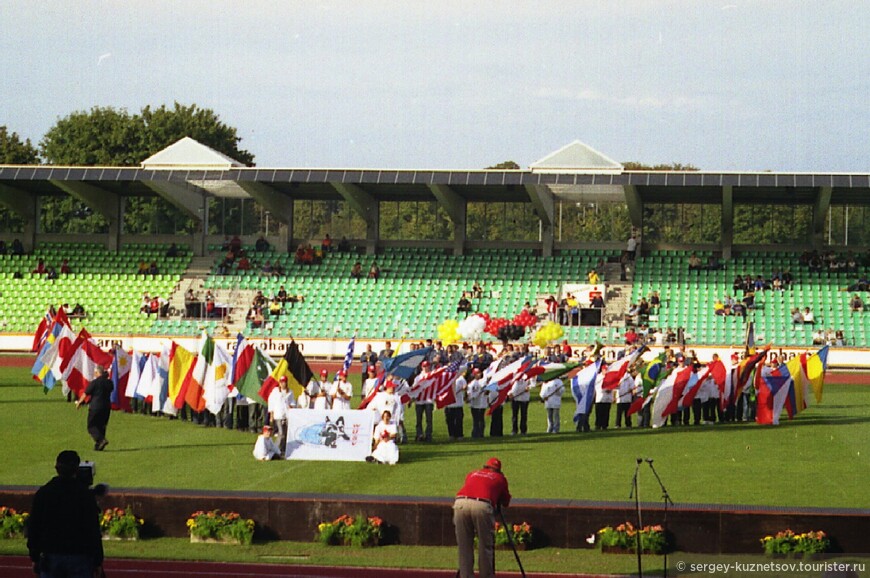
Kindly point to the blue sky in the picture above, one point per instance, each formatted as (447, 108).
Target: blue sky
(726, 85)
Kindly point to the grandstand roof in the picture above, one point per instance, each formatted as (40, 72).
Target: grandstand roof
(576, 157)
(189, 153)
(474, 185)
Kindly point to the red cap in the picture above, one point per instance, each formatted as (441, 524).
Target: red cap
(475, 370)
(324, 373)
(267, 429)
(283, 379)
(372, 368)
(493, 464)
(389, 384)
(342, 373)
(425, 364)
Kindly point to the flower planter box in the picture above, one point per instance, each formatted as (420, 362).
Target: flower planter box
(199, 540)
(108, 538)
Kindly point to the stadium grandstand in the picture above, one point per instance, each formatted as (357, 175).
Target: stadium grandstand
(520, 235)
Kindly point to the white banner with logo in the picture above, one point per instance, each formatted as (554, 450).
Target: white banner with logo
(334, 435)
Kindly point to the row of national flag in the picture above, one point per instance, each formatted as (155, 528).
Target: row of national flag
(785, 387)
(205, 378)
(170, 379)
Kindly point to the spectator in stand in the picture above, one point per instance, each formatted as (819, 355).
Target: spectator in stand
(633, 315)
(344, 245)
(261, 245)
(643, 306)
(655, 300)
(259, 299)
(255, 316)
(267, 268)
(739, 309)
(819, 337)
(51, 273)
(809, 318)
(749, 299)
(738, 284)
(41, 268)
(145, 306)
(839, 338)
(275, 306)
(236, 245)
(796, 317)
(695, 263)
(153, 270)
(862, 284)
(154, 306)
(244, 264)
(326, 244)
(375, 271)
(593, 278)
(552, 307)
(856, 304)
(17, 247)
(3, 248)
(476, 291)
(356, 271)
(64, 267)
(172, 251)
(719, 308)
(728, 301)
(776, 285)
(760, 284)
(713, 264)
(78, 312)
(464, 305)
(631, 336)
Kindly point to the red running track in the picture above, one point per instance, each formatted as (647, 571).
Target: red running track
(19, 567)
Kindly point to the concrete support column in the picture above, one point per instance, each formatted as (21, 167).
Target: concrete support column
(727, 221)
(820, 213)
(544, 203)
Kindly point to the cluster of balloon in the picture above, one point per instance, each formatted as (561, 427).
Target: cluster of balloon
(471, 328)
(448, 332)
(511, 332)
(550, 332)
(525, 319)
(494, 325)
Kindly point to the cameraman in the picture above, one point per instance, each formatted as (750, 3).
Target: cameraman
(63, 534)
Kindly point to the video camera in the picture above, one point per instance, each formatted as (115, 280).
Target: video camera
(86, 474)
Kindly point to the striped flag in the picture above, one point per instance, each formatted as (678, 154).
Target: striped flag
(616, 370)
(348, 356)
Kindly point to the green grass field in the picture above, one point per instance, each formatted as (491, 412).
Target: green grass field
(819, 459)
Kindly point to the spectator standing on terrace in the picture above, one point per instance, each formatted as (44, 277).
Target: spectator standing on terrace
(593, 278)
(326, 245)
(63, 537)
(261, 245)
(631, 246)
(476, 291)
(856, 304)
(344, 245)
(40, 268)
(65, 268)
(17, 247)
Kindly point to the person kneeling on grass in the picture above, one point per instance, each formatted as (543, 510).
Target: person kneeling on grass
(265, 449)
(386, 451)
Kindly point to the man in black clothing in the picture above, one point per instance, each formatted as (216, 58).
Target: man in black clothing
(99, 406)
(63, 535)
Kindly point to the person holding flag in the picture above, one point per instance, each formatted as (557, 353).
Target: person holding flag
(341, 391)
(98, 395)
(280, 401)
(603, 401)
(317, 390)
(520, 396)
(478, 401)
(551, 396)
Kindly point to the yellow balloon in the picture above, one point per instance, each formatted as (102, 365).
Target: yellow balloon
(448, 332)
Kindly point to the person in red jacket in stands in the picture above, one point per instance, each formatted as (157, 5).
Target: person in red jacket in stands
(484, 490)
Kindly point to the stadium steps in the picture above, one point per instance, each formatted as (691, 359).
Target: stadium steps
(618, 302)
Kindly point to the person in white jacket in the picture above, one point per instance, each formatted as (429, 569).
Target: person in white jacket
(265, 449)
(341, 392)
(624, 397)
(477, 402)
(520, 396)
(551, 395)
(317, 391)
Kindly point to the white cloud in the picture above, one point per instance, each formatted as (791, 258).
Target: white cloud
(639, 101)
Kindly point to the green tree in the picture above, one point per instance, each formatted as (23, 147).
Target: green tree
(505, 166)
(14, 151)
(114, 137)
(636, 166)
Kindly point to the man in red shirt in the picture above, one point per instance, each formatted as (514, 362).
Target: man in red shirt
(473, 513)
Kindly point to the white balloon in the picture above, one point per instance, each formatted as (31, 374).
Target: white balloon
(471, 328)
